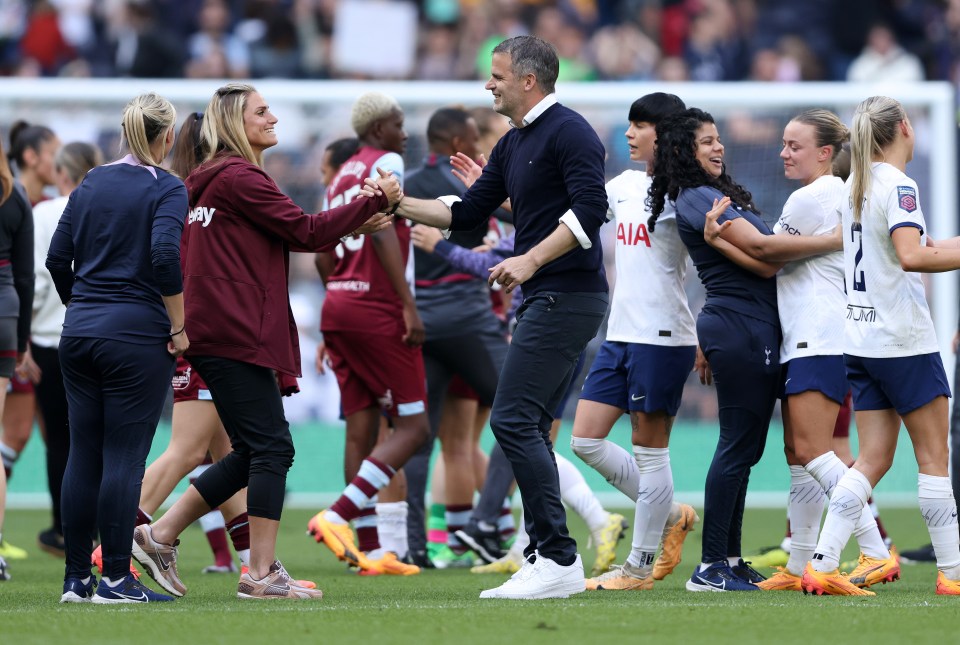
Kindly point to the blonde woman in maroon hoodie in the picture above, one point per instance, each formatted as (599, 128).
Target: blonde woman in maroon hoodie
(235, 251)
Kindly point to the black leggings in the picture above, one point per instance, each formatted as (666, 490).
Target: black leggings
(250, 406)
(52, 400)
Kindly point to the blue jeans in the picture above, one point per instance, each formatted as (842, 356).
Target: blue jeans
(552, 330)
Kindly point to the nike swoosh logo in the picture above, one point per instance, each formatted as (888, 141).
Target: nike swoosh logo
(634, 397)
(141, 598)
(787, 381)
(718, 585)
(163, 563)
(620, 201)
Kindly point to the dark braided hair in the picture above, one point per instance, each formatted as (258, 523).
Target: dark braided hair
(677, 167)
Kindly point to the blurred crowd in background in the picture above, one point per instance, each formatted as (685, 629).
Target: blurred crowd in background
(627, 40)
(671, 40)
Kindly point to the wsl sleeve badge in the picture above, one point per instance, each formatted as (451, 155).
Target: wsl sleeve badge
(907, 197)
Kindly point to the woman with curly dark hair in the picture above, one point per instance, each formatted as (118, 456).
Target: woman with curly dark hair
(738, 331)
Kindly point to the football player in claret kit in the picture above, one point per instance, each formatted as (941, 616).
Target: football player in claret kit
(372, 335)
(890, 347)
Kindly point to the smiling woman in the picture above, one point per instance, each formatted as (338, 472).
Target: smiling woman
(238, 314)
(738, 331)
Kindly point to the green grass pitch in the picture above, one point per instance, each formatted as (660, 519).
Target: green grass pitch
(443, 606)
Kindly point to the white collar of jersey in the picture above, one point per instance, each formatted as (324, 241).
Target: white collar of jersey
(546, 102)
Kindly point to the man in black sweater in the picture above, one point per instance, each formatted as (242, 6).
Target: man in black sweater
(464, 337)
(550, 165)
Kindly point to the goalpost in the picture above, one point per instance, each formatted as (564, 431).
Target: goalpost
(750, 118)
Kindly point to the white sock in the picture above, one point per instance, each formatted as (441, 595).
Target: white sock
(846, 506)
(212, 521)
(392, 527)
(828, 470)
(805, 509)
(334, 517)
(244, 555)
(575, 493)
(85, 581)
(610, 460)
(786, 543)
(868, 536)
(733, 561)
(939, 510)
(654, 501)
(111, 582)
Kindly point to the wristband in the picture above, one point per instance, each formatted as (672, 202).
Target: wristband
(393, 211)
(177, 333)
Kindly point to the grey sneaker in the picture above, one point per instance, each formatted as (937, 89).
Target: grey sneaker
(275, 585)
(160, 560)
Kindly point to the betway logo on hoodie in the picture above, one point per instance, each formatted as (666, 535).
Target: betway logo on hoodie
(201, 214)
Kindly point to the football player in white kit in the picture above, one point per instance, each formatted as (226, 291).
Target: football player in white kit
(811, 302)
(890, 349)
(643, 364)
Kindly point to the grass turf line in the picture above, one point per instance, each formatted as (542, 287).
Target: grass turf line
(443, 606)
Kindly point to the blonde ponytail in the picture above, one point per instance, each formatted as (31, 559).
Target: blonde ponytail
(146, 118)
(875, 126)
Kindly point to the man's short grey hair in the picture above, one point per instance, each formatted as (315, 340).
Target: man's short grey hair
(369, 108)
(531, 55)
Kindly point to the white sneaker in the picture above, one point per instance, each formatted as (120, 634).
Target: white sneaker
(542, 578)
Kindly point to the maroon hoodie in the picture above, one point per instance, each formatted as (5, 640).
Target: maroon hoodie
(236, 258)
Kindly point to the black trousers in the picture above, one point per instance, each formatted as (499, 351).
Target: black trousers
(552, 330)
(52, 400)
(250, 406)
(115, 393)
(744, 355)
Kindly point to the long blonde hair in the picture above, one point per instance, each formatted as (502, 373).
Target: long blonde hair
(145, 118)
(875, 126)
(223, 123)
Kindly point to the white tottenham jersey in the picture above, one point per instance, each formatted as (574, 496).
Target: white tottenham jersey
(649, 303)
(810, 291)
(887, 314)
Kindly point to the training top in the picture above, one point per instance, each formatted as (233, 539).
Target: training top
(16, 262)
(810, 291)
(727, 284)
(359, 293)
(649, 304)
(553, 164)
(116, 252)
(887, 314)
(236, 258)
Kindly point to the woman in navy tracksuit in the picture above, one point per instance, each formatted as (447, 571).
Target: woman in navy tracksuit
(115, 261)
(738, 331)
